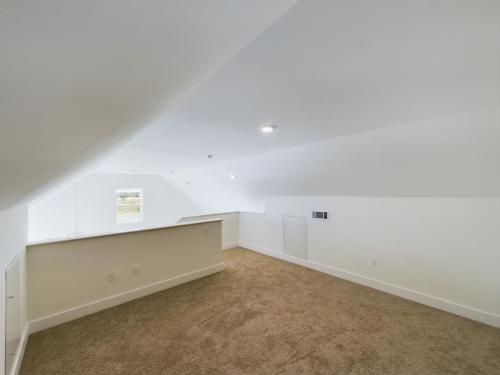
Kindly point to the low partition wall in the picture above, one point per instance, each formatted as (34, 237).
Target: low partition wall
(230, 226)
(72, 278)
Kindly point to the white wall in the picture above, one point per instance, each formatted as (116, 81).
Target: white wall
(13, 237)
(89, 206)
(230, 226)
(447, 248)
(69, 279)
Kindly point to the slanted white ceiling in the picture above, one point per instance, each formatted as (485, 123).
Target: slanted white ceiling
(453, 156)
(328, 68)
(77, 77)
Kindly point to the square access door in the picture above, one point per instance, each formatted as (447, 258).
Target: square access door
(295, 236)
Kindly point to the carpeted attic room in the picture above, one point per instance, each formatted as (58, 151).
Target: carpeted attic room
(250, 187)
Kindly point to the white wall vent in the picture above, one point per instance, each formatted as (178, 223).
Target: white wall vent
(320, 215)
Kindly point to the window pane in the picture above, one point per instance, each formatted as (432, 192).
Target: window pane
(129, 206)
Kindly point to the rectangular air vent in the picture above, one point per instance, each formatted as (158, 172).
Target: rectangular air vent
(320, 215)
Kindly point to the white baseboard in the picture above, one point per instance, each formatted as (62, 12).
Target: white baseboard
(230, 245)
(18, 359)
(423, 298)
(117, 299)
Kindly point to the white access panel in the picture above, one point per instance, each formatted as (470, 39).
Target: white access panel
(295, 236)
(12, 312)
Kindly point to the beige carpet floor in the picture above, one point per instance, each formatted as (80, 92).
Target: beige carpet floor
(265, 316)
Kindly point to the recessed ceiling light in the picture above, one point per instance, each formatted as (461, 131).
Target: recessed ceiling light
(232, 176)
(210, 156)
(268, 128)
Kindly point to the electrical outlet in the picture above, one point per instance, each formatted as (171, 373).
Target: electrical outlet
(135, 270)
(112, 276)
(373, 263)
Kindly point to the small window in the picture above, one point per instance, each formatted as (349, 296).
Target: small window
(129, 206)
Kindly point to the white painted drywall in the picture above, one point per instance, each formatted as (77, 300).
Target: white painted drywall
(79, 77)
(450, 156)
(94, 210)
(328, 68)
(69, 279)
(13, 238)
(13, 324)
(54, 217)
(230, 226)
(444, 247)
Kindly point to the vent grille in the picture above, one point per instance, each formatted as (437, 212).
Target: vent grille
(323, 215)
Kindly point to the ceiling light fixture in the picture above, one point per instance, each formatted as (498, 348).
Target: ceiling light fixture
(268, 128)
(232, 176)
(210, 156)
